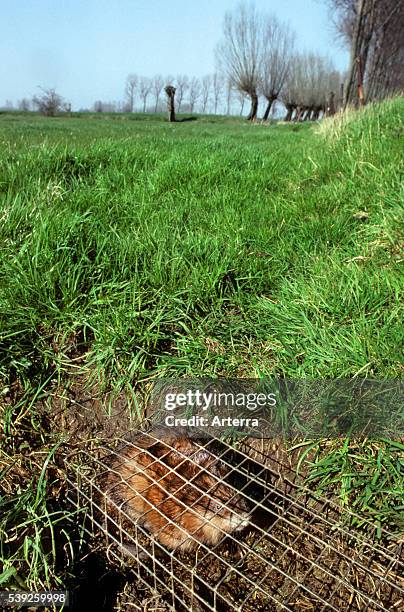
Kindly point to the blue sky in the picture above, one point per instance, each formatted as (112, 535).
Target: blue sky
(86, 48)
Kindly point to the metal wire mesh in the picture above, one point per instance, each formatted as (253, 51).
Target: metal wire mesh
(205, 526)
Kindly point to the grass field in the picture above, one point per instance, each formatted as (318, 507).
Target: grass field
(141, 249)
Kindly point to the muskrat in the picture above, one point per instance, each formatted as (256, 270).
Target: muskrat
(182, 489)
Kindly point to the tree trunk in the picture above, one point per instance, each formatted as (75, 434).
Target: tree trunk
(289, 112)
(329, 110)
(271, 100)
(170, 91)
(363, 32)
(361, 95)
(341, 96)
(299, 110)
(254, 107)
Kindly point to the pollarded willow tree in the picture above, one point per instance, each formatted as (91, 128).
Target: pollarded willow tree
(170, 92)
(291, 92)
(310, 87)
(277, 51)
(239, 53)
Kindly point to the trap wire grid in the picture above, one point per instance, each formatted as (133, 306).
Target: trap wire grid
(303, 558)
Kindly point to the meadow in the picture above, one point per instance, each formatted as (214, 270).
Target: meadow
(133, 249)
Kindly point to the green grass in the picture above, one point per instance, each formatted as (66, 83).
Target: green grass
(208, 247)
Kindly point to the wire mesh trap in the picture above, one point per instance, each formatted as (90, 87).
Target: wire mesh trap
(203, 525)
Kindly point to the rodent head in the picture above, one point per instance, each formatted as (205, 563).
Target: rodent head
(230, 510)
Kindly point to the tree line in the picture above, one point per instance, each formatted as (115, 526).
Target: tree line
(257, 55)
(257, 60)
(205, 94)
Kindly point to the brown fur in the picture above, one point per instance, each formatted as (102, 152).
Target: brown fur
(176, 488)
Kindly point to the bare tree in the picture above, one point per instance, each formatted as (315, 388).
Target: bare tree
(362, 34)
(217, 90)
(373, 29)
(157, 87)
(194, 93)
(310, 87)
(241, 97)
(240, 51)
(277, 51)
(49, 103)
(24, 104)
(109, 107)
(291, 90)
(182, 83)
(130, 91)
(145, 87)
(105, 107)
(206, 86)
(8, 105)
(229, 96)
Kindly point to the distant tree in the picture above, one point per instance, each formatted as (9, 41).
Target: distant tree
(241, 97)
(157, 88)
(277, 51)
(130, 91)
(110, 107)
(194, 93)
(98, 106)
(229, 96)
(291, 92)
(182, 83)
(170, 92)
(217, 90)
(145, 87)
(49, 103)
(310, 87)
(239, 53)
(106, 107)
(8, 105)
(24, 104)
(206, 86)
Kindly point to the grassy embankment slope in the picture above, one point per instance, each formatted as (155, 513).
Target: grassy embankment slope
(204, 247)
